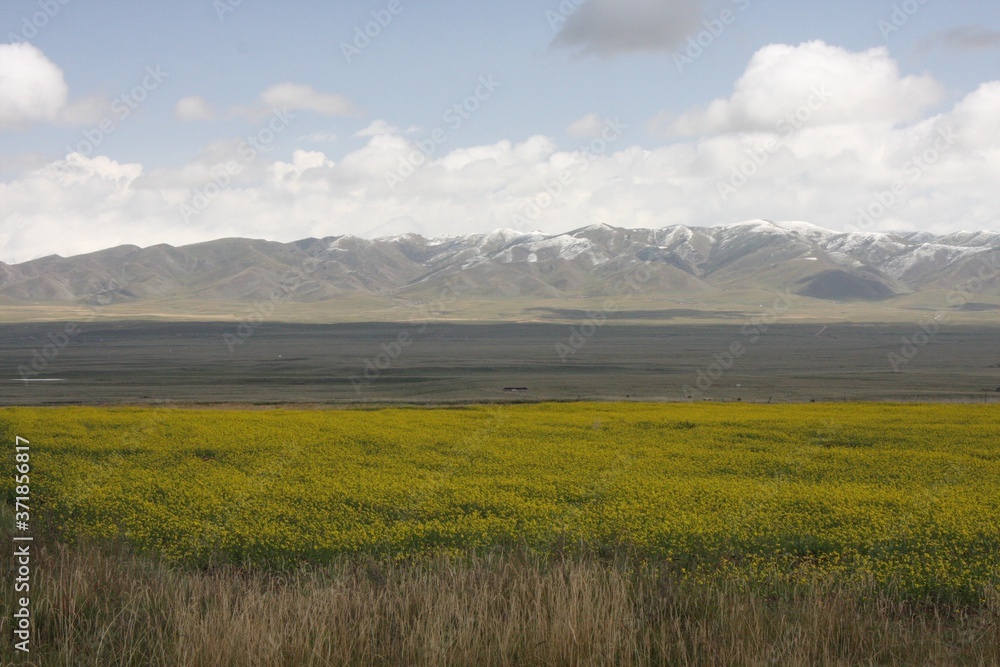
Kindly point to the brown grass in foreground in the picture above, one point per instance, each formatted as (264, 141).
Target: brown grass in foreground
(102, 605)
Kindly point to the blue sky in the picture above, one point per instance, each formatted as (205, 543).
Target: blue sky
(562, 74)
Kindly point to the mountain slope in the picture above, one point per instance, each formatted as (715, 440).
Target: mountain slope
(593, 261)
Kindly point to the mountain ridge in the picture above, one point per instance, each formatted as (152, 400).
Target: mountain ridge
(591, 261)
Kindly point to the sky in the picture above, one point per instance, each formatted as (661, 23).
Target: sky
(142, 122)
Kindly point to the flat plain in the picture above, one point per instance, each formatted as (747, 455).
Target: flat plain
(328, 364)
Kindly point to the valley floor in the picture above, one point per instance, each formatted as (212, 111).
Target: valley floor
(432, 363)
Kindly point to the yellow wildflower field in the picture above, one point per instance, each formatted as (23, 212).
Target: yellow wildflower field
(908, 495)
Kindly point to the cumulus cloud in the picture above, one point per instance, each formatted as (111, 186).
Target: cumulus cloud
(947, 164)
(58, 199)
(376, 128)
(194, 108)
(837, 85)
(590, 125)
(613, 27)
(976, 118)
(32, 88)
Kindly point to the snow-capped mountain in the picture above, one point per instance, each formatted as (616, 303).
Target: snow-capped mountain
(591, 261)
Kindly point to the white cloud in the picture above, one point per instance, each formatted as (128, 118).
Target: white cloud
(291, 97)
(376, 128)
(194, 108)
(590, 125)
(977, 117)
(32, 88)
(84, 203)
(291, 173)
(612, 27)
(842, 86)
(300, 97)
(824, 173)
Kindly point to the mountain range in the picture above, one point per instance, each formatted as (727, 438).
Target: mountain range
(594, 261)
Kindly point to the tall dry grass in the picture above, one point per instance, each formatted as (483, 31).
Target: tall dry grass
(103, 605)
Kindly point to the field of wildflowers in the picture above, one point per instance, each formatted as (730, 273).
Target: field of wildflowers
(907, 496)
